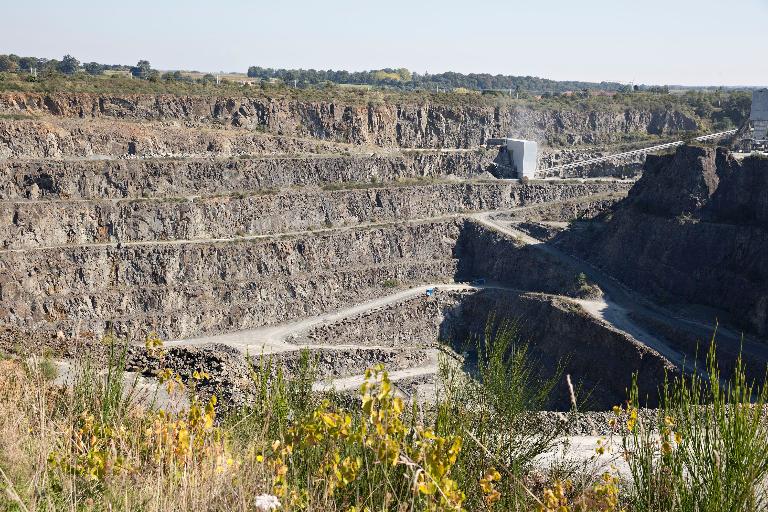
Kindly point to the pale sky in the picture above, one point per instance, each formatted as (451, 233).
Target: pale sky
(696, 42)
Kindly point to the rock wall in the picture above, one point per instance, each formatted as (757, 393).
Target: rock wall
(30, 224)
(579, 208)
(486, 254)
(694, 229)
(550, 159)
(123, 179)
(600, 359)
(66, 138)
(415, 322)
(387, 124)
(183, 289)
(187, 289)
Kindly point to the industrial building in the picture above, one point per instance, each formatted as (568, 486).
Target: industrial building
(758, 116)
(518, 155)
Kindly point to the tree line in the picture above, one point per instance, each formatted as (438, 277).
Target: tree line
(69, 65)
(402, 78)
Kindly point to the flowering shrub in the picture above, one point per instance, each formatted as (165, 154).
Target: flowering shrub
(90, 447)
(603, 496)
(337, 447)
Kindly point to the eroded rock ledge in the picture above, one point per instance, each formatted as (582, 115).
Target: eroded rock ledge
(694, 230)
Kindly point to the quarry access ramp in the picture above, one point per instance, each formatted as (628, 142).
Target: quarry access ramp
(276, 338)
(620, 303)
(613, 308)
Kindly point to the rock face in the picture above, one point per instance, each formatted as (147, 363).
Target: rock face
(486, 254)
(694, 229)
(550, 159)
(681, 185)
(231, 372)
(182, 290)
(192, 216)
(559, 333)
(31, 224)
(408, 125)
(142, 178)
(415, 322)
(49, 137)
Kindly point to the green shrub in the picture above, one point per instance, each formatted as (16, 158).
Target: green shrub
(709, 449)
(493, 413)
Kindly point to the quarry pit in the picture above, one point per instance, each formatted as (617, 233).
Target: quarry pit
(234, 228)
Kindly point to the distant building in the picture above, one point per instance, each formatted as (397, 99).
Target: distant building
(524, 154)
(758, 116)
(517, 157)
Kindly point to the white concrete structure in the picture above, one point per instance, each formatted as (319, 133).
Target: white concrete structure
(524, 154)
(758, 116)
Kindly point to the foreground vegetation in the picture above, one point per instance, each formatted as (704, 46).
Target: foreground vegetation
(98, 445)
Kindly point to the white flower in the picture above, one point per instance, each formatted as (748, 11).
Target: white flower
(267, 502)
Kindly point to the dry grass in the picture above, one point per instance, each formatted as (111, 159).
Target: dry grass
(82, 449)
(94, 445)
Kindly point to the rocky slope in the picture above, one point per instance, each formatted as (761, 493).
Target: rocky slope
(551, 158)
(407, 125)
(142, 178)
(182, 290)
(694, 229)
(186, 289)
(39, 223)
(487, 254)
(560, 334)
(73, 138)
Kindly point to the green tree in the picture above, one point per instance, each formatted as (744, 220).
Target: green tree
(142, 69)
(50, 67)
(93, 68)
(69, 65)
(172, 76)
(405, 74)
(27, 63)
(7, 64)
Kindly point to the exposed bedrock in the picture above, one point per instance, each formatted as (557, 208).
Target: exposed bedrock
(231, 371)
(694, 229)
(78, 139)
(600, 359)
(416, 322)
(182, 290)
(29, 224)
(120, 179)
(490, 255)
(386, 124)
(577, 208)
(550, 159)
(558, 331)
